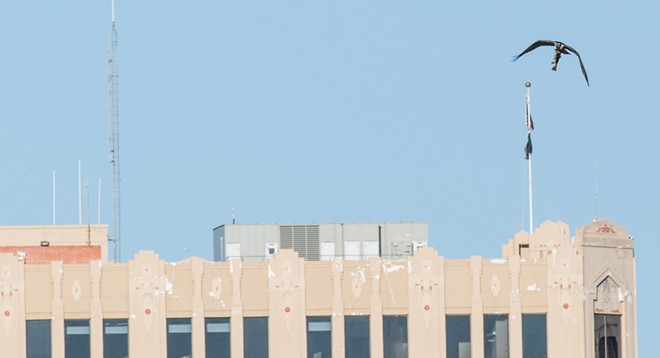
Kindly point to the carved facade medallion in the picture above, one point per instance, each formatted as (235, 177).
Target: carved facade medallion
(607, 298)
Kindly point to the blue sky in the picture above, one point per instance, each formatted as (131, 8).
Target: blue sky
(354, 111)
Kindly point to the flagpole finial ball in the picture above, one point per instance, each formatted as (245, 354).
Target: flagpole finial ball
(528, 84)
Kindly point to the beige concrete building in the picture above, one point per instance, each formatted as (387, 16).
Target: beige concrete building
(549, 295)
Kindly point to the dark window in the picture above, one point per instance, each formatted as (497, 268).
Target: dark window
(608, 335)
(496, 336)
(319, 337)
(76, 338)
(534, 332)
(255, 335)
(38, 338)
(356, 335)
(217, 338)
(179, 338)
(395, 336)
(458, 336)
(115, 338)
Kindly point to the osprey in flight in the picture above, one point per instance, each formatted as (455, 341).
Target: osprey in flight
(560, 48)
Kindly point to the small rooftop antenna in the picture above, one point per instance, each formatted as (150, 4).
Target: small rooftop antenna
(113, 122)
(233, 215)
(54, 197)
(596, 184)
(89, 227)
(79, 196)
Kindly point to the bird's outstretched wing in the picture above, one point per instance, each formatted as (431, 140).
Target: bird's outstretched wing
(535, 45)
(584, 72)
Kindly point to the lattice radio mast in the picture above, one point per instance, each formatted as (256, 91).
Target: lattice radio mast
(113, 122)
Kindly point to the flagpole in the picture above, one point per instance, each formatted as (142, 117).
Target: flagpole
(531, 214)
(530, 127)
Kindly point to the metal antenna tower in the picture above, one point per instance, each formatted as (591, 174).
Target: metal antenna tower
(113, 122)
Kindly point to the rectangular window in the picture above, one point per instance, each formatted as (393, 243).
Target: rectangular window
(356, 336)
(458, 336)
(255, 335)
(37, 334)
(319, 337)
(115, 338)
(608, 335)
(217, 338)
(534, 332)
(395, 336)
(496, 336)
(76, 338)
(179, 338)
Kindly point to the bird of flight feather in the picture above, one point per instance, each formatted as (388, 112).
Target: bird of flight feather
(560, 48)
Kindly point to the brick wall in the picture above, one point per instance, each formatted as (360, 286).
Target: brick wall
(46, 254)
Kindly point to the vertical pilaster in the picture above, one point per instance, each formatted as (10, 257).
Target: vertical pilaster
(631, 313)
(477, 315)
(376, 319)
(96, 313)
(287, 336)
(338, 329)
(147, 327)
(565, 306)
(197, 321)
(576, 287)
(424, 309)
(12, 310)
(57, 310)
(236, 321)
(515, 309)
(442, 307)
(20, 297)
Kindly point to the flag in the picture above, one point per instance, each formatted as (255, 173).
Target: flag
(528, 147)
(528, 118)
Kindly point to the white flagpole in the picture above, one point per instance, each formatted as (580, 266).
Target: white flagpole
(529, 161)
(531, 215)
